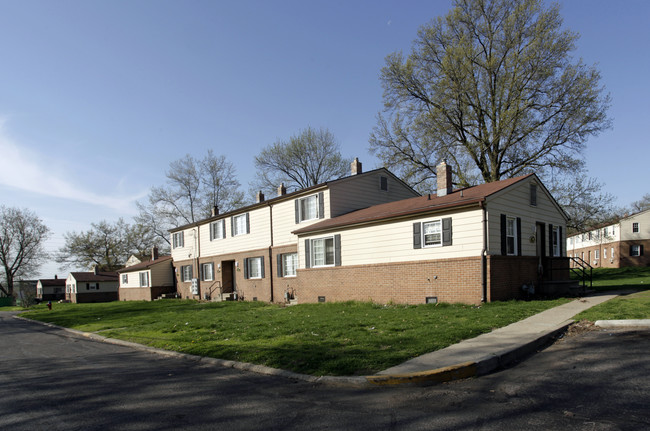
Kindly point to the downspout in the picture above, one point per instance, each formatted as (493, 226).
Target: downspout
(271, 267)
(484, 252)
(198, 255)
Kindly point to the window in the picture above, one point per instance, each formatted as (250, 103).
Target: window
(612, 250)
(240, 225)
(144, 279)
(207, 270)
(432, 233)
(533, 194)
(310, 208)
(589, 235)
(604, 253)
(217, 230)
(636, 250)
(287, 264)
(178, 240)
(125, 278)
(596, 254)
(511, 236)
(635, 227)
(254, 267)
(186, 273)
(556, 241)
(322, 251)
(606, 232)
(383, 183)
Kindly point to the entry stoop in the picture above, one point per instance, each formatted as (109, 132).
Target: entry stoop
(561, 288)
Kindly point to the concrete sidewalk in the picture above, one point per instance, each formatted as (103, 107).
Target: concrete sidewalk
(490, 351)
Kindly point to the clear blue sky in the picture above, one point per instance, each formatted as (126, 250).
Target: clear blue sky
(97, 97)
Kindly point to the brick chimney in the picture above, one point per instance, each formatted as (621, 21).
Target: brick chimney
(282, 190)
(96, 269)
(355, 167)
(215, 211)
(259, 197)
(154, 253)
(443, 174)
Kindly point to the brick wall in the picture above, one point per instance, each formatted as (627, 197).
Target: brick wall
(450, 280)
(143, 293)
(506, 275)
(627, 260)
(93, 297)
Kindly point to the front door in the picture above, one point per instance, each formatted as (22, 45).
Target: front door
(228, 276)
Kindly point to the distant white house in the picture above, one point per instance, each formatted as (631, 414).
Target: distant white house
(93, 286)
(615, 245)
(52, 289)
(147, 280)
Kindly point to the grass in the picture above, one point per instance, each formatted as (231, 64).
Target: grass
(633, 306)
(616, 278)
(351, 338)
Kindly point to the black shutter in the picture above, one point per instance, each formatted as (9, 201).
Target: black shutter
(446, 231)
(321, 205)
(262, 266)
(246, 268)
(337, 250)
(297, 205)
(417, 237)
(232, 225)
(518, 236)
(307, 263)
(223, 227)
(550, 242)
(561, 239)
(641, 250)
(279, 259)
(248, 223)
(504, 240)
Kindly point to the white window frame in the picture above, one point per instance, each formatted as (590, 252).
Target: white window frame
(635, 250)
(432, 223)
(635, 227)
(239, 225)
(217, 230)
(125, 278)
(511, 233)
(597, 254)
(178, 239)
(604, 252)
(301, 208)
(144, 278)
(289, 262)
(314, 253)
(209, 274)
(612, 254)
(254, 267)
(186, 273)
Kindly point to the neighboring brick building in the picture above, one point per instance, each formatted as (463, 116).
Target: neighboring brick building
(371, 237)
(615, 245)
(93, 286)
(147, 280)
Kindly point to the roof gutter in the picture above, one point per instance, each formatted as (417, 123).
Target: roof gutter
(484, 253)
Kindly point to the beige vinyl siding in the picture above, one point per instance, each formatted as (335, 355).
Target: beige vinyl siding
(514, 201)
(80, 286)
(258, 237)
(284, 218)
(644, 227)
(189, 248)
(393, 241)
(358, 192)
(134, 278)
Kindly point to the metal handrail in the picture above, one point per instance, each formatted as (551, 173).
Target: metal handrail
(580, 269)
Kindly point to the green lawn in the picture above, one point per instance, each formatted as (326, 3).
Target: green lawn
(617, 278)
(349, 338)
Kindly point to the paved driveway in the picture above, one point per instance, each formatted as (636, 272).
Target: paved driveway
(51, 381)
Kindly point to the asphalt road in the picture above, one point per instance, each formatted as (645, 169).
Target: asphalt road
(49, 380)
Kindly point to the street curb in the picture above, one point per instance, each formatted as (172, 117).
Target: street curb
(483, 366)
(629, 323)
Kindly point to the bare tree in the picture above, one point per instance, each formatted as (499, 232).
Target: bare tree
(22, 236)
(106, 245)
(491, 87)
(307, 158)
(193, 188)
(641, 205)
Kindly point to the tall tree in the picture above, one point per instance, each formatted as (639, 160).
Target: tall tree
(307, 158)
(106, 245)
(193, 188)
(493, 88)
(641, 205)
(22, 238)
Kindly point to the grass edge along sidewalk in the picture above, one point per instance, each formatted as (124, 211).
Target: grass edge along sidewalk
(338, 339)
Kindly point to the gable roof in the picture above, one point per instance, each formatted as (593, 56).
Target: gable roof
(145, 265)
(91, 276)
(469, 196)
(52, 281)
(290, 196)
